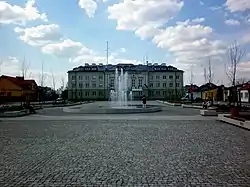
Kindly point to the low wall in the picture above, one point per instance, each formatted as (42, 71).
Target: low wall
(15, 113)
(105, 110)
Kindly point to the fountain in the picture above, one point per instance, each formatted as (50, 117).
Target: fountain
(119, 96)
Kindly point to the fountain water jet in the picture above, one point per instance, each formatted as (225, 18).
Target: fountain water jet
(119, 96)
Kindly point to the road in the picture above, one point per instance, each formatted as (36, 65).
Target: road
(156, 150)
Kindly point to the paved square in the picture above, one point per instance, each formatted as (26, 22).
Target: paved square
(123, 153)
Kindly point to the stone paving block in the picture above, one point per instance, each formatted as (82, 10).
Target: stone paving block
(123, 153)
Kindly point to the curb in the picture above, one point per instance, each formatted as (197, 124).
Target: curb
(191, 106)
(15, 114)
(168, 103)
(242, 124)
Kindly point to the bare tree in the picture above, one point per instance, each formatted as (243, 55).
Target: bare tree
(53, 81)
(42, 77)
(210, 75)
(191, 75)
(24, 68)
(235, 54)
(242, 80)
(205, 75)
(62, 82)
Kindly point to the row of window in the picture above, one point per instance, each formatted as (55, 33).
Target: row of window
(87, 85)
(162, 93)
(164, 85)
(87, 94)
(151, 85)
(80, 77)
(165, 77)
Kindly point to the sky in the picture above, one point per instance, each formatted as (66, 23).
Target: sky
(62, 34)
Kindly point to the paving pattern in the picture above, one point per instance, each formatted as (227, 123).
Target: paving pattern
(123, 153)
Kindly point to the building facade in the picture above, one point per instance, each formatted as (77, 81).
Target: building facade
(17, 89)
(94, 82)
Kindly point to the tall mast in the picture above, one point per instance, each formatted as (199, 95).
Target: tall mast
(107, 50)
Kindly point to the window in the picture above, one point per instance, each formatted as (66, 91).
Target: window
(152, 93)
(112, 82)
(80, 94)
(151, 85)
(152, 77)
(86, 93)
(80, 85)
(94, 93)
(133, 82)
(140, 83)
(246, 95)
(170, 76)
(73, 77)
(140, 93)
(80, 77)
(93, 85)
(157, 84)
(73, 85)
(164, 93)
(94, 77)
(164, 77)
(177, 77)
(158, 93)
(157, 77)
(100, 77)
(87, 78)
(87, 85)
(164, 85)
(177, 84)
(171, 84)
(100, 85)
(241, 95)
(100, 94)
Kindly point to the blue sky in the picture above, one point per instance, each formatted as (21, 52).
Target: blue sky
(178, 32)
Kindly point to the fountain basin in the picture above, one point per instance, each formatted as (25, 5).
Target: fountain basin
(131, 109)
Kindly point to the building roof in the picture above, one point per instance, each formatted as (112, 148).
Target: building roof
(207, 86)
(245, 87)
(125, 67)
(20, 81)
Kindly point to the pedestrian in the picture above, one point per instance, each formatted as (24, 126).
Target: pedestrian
(144, 101)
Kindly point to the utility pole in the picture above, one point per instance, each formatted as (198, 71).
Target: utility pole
(104, 73)
(107, 50)
(42, 75)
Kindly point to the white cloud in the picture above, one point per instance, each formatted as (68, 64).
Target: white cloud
(237, 5)
(190, 22)
(232, 22)
(13, 14)
(214, 8)
(40, 35)
(191, 45)
(89, 6)
(198, 20)
(67, 49)
(132, 15)
(123, 50)
(244, 67)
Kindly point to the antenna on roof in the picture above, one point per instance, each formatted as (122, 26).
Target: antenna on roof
(107, 50)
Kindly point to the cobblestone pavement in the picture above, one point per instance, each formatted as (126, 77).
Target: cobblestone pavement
(123, 153)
